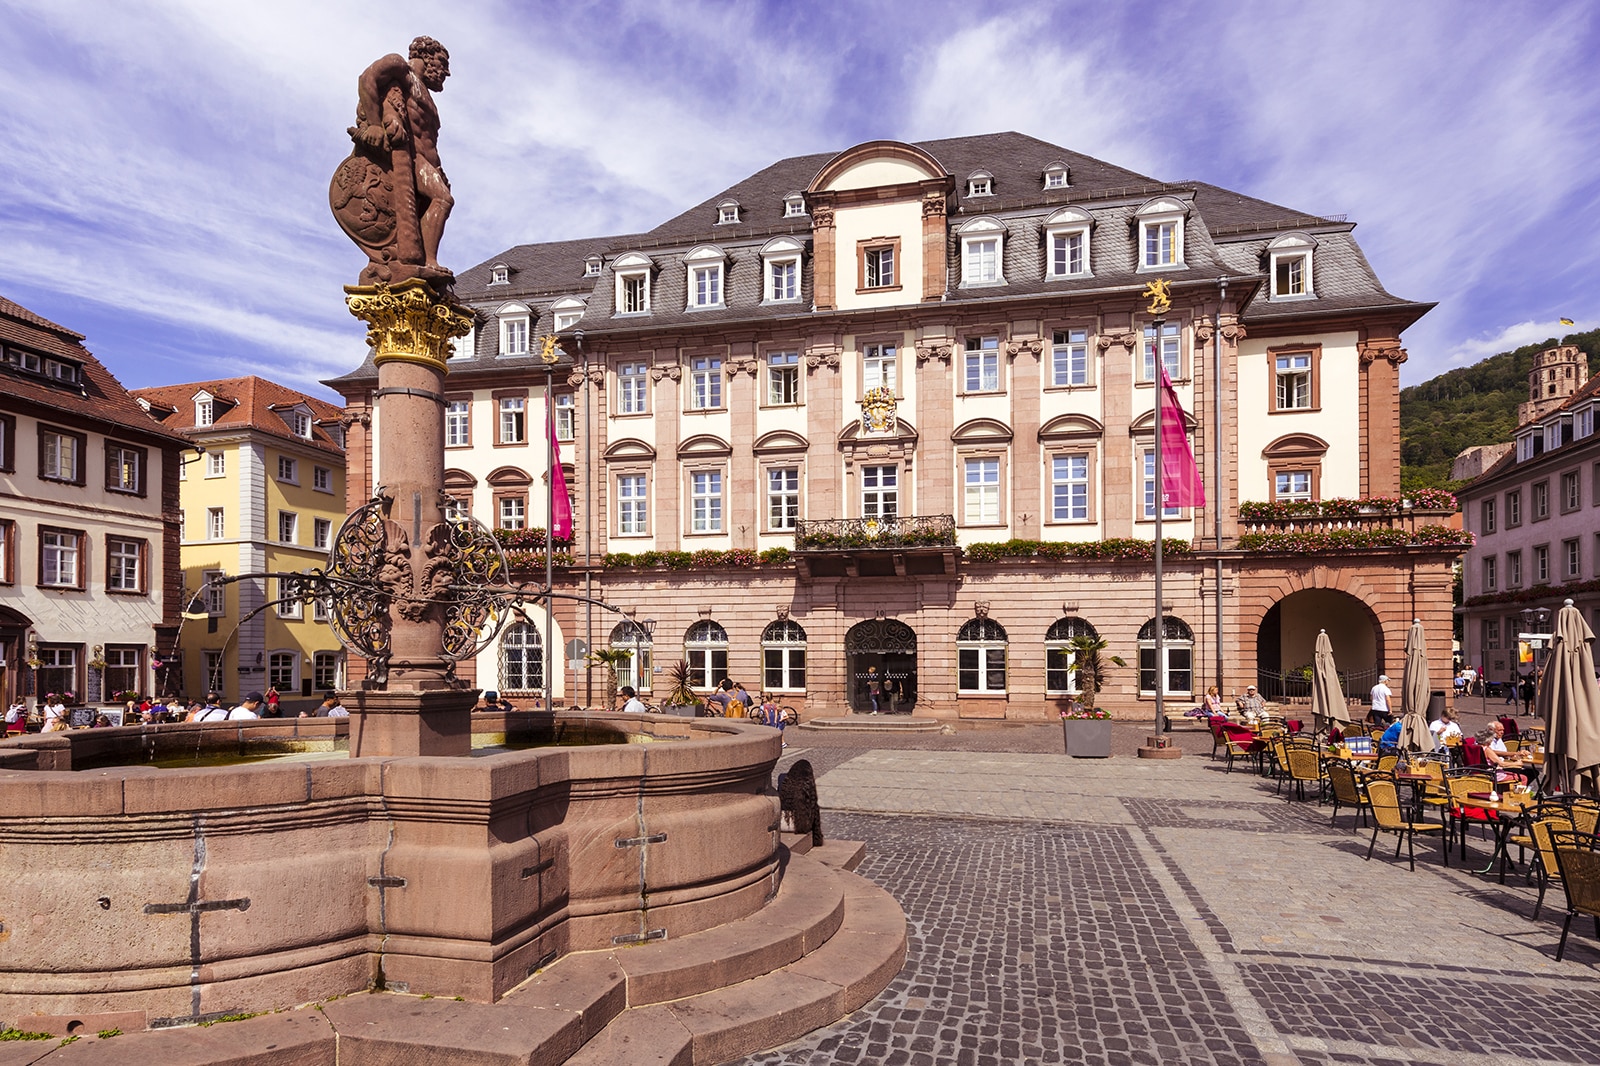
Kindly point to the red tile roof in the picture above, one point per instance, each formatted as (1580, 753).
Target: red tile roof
(252, 402)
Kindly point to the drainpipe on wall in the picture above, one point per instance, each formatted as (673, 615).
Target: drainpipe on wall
(1216, 461)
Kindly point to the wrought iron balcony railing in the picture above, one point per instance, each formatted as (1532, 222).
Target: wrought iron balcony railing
(855, 534)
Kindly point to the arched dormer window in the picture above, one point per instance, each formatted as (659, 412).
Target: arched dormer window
(1056, 175)
(592, 266)
(632, 271)
(566, 313)
(980, 183)
(515, 328)
(1289, 263)
(983, 245)
(794, 205)
(499, 274)
(1160, 233)
(1066, 243)
(705, 268)
(780, 270)
(728, 213)
(1294, 466)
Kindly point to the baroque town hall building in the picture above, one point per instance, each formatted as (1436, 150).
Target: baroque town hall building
(892, 408)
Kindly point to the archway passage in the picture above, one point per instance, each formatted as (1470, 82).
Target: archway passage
(1286, 644)
(881, 652)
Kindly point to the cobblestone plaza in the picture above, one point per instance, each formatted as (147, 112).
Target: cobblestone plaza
(1123, 911)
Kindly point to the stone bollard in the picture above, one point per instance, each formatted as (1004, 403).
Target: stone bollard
(1159, 747)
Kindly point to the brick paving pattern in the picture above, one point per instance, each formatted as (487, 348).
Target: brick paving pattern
(1122, 911)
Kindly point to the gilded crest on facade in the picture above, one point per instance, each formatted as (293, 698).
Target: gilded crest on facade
(880, 411)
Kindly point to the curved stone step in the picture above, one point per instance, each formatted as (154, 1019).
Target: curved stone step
(873, 723)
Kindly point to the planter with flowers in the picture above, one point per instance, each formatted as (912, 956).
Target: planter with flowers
(1086, 732)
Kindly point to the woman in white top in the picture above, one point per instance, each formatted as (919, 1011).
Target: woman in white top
(55, 714)
(1445, 728)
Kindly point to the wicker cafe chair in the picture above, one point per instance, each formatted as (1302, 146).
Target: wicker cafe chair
(1387, 764)
(1585, 813)
(1387, 817)
(1579, 866)
(1347, 792)
(1546, 818)
(1463, 811)
(1305, 764)
(1242, 744)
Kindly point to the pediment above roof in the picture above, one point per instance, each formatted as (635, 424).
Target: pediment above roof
(874, 164)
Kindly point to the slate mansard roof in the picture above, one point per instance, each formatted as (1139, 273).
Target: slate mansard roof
(1226, 234)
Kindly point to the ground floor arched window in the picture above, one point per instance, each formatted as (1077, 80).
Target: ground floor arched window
(629, 636)
(1060, 662)
(705, 647)
(1177, 648)
(981, 657)
(783, 657)
(521, 659)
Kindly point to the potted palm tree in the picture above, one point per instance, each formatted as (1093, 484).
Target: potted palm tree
(1086, 726)
(680, 697)
(613, 659)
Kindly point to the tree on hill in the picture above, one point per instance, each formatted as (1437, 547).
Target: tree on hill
(1468, 406)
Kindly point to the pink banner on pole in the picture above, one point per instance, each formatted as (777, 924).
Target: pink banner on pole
(1180, 477)
(560, 502)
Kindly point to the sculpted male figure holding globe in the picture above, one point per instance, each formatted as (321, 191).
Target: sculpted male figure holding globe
(391, 195)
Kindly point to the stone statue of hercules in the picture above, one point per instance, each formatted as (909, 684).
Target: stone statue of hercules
(391, 195)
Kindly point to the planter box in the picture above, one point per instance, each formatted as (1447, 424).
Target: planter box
(1087, 738)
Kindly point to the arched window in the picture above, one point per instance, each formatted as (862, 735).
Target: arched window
(783, 657)
(706, 648)
(521, 659)
(628, 636)
(981, 656)
(1177, 647)
(1060, 678)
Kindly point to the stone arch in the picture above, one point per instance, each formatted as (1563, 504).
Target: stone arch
(1287, 630)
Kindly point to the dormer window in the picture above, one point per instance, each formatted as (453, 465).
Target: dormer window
(794, 206)
(300, 424)
(705, 268)
(464, 347)
(205, 410)
(1055, 176)
(514, 320)
(566, 313)
(592, 265)
(1583, 423)
(499, 274)
(1160, 226)
(980, 183)
(62, 371)
(780, 269)
(1289, 262)
(1066, 243)
(982, 252)
(1529, 445)
(632, 271)
(728, 213)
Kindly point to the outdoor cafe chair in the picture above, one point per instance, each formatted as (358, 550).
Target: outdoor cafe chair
(1347, 792)
(1579, 866)
(1303, 763)
(1242, 744)
(1463, 811)
(1545, 818)
(1387, 817)
(1513, 732)
(1388, 763)
(1585, 814)
(1219, 735)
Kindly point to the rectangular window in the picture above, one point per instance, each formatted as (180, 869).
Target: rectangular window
(216, 464)
(1069, 488)
(124, 564)
(8, 551)
(8, 443)
(632, 505)
(783, 497)
(1514, 508)
(783, 378)
(877, 367)
(514, 336)
(124, 670)
(705, 286)
(1150, 488)
(288, 598)
(1513, 570)
(321, 533)
(1491, 634)
(1571, 497)
(288, 526)
(513, 420)
(566, 417)
(321, 479)
(1292, 485)
(325, 670)
(124, 468)
(1541, 500)
(880, 492)
(216, 523)
(61, 456)
(980, 260)
(288, 469)
(280, 670)
(457, 423)
(878, 267)
(632, 389)
(981, 669)
(982, 482)
(1491, 573)
(783, 277)
(783, 669)
(215, 594)
(513, 512)
(635, 294)
(60, 558)
(705, 497)
(1069, 357)
(1066, 254)
(983, 364)
(58, 669)
(1169, 352)
(205, 412)
(1541, 565)
(1572, 560)
(705, 379)
(213, 668)
(1294, 381)
(1289, 275)
(320, 609)
(1488, 516)
(1160, 244)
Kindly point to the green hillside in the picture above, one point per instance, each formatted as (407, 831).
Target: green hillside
(1471, 405)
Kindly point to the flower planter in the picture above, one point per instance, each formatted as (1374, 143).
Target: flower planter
(1087, 738)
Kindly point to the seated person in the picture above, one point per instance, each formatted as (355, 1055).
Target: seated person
(1250, 704)
(1508, 766)
(631, 703)
(797, 799)
(1445, 728)
(1390, 741)
(1210, 703)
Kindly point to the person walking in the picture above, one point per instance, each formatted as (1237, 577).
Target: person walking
(1380, 714)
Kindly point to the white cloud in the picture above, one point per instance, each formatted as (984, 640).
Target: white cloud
(1475, 349)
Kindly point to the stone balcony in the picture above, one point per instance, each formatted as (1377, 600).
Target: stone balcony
(907, 545)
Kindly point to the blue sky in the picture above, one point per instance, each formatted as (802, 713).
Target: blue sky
(164, 164)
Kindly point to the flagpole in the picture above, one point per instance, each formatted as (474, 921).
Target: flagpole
(1161, 501)
(549, 532)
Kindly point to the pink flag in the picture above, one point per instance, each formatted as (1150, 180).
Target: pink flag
(560, 502)
(1180, 478)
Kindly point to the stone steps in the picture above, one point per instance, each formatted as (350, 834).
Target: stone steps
(873, 723)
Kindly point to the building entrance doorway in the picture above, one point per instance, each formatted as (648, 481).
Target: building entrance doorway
(881, 654)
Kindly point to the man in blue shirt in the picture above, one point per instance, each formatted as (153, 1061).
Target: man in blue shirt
(1390, 741)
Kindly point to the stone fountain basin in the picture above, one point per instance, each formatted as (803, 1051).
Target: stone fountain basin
(184, 894)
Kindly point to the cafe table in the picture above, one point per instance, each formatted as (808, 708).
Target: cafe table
(1508, 813)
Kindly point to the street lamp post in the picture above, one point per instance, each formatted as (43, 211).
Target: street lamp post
(1535, 623)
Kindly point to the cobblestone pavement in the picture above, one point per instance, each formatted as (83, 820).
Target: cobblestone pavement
(1124, 911)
